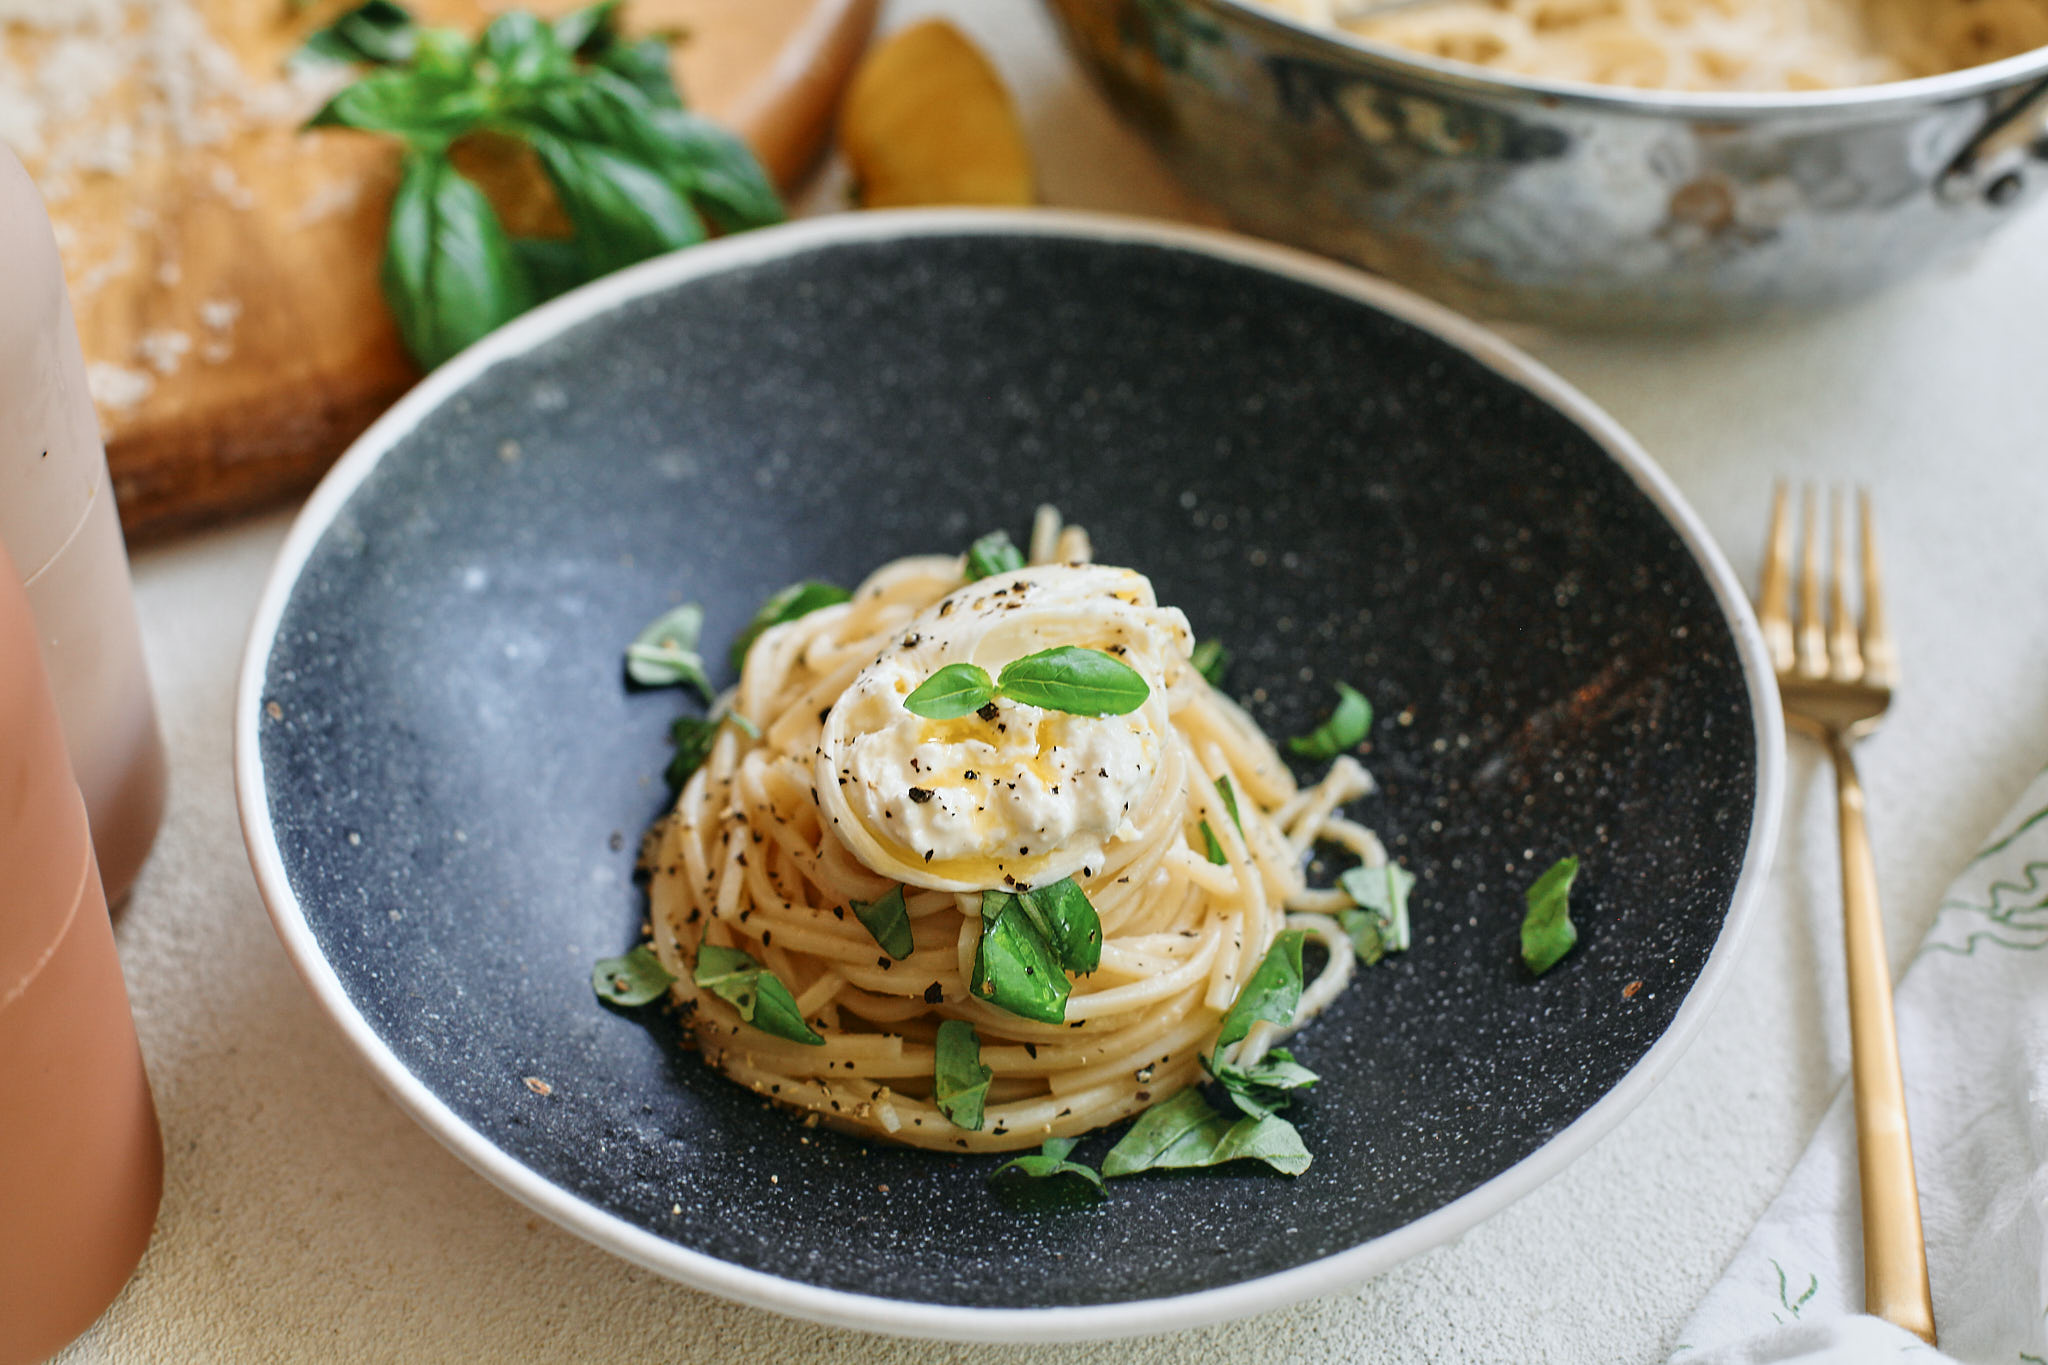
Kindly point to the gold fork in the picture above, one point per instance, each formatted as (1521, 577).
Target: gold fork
(1836, 689)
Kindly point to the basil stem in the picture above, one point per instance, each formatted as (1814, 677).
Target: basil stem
(959, 1080)
(888, 920)
(1344, 729)
(754, 992)
(1547, 929)
(1014, 968)
(954, 691)
(632, 979)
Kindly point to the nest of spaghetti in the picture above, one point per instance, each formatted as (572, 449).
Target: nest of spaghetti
(855, 871)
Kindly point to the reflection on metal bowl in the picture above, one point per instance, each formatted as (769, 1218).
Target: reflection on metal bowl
(1543, 201)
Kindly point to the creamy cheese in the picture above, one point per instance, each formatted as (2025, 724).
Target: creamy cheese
(1011, 795)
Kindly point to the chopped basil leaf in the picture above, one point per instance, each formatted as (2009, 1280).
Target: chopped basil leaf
(888, 920)
(959, 1080)
(1547, 929)
(954, 691)
(1380, 924)
(1261, 1089)
(1015, 969)
(1050, 1161)
(1066, 919)
(693, 737)
(1184, 1131)
(1344, 729)
(993, 554)
(790, 603)
(633, 979)
(1271, 993)
(1215, 849)
(1229, 795)
(664, 653)
(1081, 682)
(1210, 659)
(755, 992)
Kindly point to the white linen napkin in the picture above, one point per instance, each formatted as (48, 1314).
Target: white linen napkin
(1973, 1042)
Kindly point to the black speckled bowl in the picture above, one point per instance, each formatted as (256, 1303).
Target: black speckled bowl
(443, 777)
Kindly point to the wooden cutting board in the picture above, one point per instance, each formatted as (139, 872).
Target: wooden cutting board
(226, 285)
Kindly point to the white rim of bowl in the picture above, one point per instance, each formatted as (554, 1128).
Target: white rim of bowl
(842, 1308)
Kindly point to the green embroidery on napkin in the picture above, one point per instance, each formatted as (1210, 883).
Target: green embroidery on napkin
(1791, 1304)
(2006, 926)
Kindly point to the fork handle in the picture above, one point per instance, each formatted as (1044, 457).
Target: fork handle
(1894, 1252)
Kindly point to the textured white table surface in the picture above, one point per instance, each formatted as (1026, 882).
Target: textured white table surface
(305, 1217)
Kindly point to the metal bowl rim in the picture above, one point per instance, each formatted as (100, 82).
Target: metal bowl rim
(1721, 106)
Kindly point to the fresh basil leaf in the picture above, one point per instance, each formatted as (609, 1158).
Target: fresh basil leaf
(585, 31)
(555, 265)
(427, 110)
(1185, 1132)
(1229, 795)
(756, 993)
(624, 210)
(993, 554)
(1381, 893)
(524, 50)
(632, 979)
(449, 273)
(1015, 969)
(664, 653)
(786, 604)
(1344, 729)
(1214, 849)
(378, 32)
(443, 52)
(1271, 992)
(1051, 1161)
(716, 168)
(1081, 682)
(888, 919)
(644, 65)
(1547, 929)
(693, 737)
(1066, 919)
(1210, 659)
(1261, 1090)
(955, 690)
(959, 1080)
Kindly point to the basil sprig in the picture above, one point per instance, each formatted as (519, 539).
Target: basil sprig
(756, 993)
(1210, 659)
(888, 919)
(634, 172)
(787, 604)
(1050, 1162)
(1015, 969)
(1380, 923)
(1344, 729)
(1547, 929)
(1082, 682)
(992, 554)
(632, 979)
(959, 1080)
(1185, 1132)
(664, 653)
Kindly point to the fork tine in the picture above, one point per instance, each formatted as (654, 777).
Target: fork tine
(1813, 642)
(1774, 596)
(1880, 655)
(1845, 661)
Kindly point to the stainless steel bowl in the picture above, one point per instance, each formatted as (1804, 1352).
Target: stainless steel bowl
(1558, 202)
